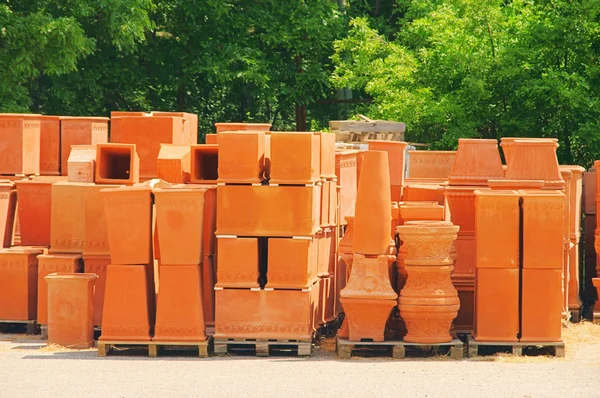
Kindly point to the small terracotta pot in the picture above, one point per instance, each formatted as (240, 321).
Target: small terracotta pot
(67, 229)
(292, 263)
(97, 264)
(204, 164)
(476, 162)
(71, 309)
(535, 160)
(50, 264)
(81, 131)
(345, 170)
(241, 157)
(238, 263)
(430, 164)
(18, 284)
(117, 164)
(295, 157)
(20, 137)
(50, 145)
(95, 236)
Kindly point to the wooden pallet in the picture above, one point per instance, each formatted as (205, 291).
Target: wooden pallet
(31, 327)
(154, 347)
(557, 349)
(346, 348)
(263, 347)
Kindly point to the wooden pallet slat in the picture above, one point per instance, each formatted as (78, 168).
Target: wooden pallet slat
(346, 348)
(516, 347)
(31, 326)
(154, 347)
(262, 347)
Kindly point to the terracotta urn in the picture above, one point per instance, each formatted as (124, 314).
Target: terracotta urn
(8, 205)
(535, 160)
(428, 302)
(396, 151)
(71, 309)
(430, 164)
(81, 131)
(295, 157)
(476, 162)
(241, 157)
(173, 163)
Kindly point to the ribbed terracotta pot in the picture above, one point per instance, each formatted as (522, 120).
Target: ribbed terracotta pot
(476, 162)
(373, 216)
(535, 160)
(428, 302)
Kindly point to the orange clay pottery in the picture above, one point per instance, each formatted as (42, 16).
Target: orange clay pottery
(513, 185)
(204, 164)
(324, 239)
(428, 302)
(535, 160)
(424, 193)
(327, 142)
(541, 303)
(128, 213)
(265, 314)
(345, 170)
(420, 211)
(95, 236)
(238, 262)
(179, 214)
(50, 145)
(8, 207)
(117, 164)
(179, 313)
(20, 137)
(596, 283)
(476, 162)
(97, 264)
(189, 125)
(295, 157)
(49, 264)
(211, 139)
(242, 127)
(292, 263)
(396, 151)
(507, 144)
(245, 210)
(173, 163)
(157, 130)
(241, 157)
(128, 313)
(81, 165)
(208, 292)
(67, 229)
(80, 131)
(430, 164)
(18, 284)
(34, 204)
(71, 309)
(373, 216)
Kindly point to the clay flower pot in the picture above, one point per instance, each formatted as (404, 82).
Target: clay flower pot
(430, 164)
(117, 164)
(189, 125)
(20, 137)
(535, 160)
(81, 165)
(476, 162)
(34, 204)
(81, 131)
(424, 193)
(50, 264)
(238, 262)
(8, 207)
(173, 163)
(373, 216)
(292, 263)
(204, 164)
(18, 284)
(461, 203)
(95, 236)
(295, 157)
(345, 170)
(397, 163)
(71, 309)
(97, 264)
(50, 145)
(67, 229)
(507, 144)
(428, 302)
(241, 157)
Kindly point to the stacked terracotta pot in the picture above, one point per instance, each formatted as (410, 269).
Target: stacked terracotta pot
(276, 233)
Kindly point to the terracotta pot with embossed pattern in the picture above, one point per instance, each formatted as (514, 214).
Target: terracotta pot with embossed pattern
(430, 164)
(237, 263)
(241, 157)
(535, 160)
(18, 284)
(477, 161)
(50, 145)
(80, 131)
(49, 264)
(295, 157)
(292, 263)
(67, 229)
(327, 163)
(20, 149)
(95, 236)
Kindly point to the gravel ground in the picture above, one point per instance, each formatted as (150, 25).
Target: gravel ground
(30, 369)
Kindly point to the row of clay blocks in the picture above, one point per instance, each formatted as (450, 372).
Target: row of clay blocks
(277, 234)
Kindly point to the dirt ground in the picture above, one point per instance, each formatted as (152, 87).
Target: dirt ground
(29, 368)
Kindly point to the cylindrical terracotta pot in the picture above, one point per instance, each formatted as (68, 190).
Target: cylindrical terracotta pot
(476, 162)
(373, 216)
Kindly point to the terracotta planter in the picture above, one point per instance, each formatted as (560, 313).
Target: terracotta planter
(242, 127)
(541, 303)
(268, 210)
(49, 264)
(80, 131)
(265, 314)
(497, 226)
(81, 165)
(208, 292)
(173, 163)
(35, 201)
(50, 145)
(117, 164)
(128, 213)
(114, 114)
(179, 219)
(295, 158)
(128, 313)
(397, 163)
(292, 263)
(424, 193)
(507, 144)
(97, 264)
(461, 203)
(334, 202)
(189, 125)
(535, 160)
(71, 309)
(373, 216)
(241, 157)
(430, 164)
(157, 130)
(204, 164)
(345, 170)
(327, 143)
(476, 162)
(238, 262)
(18, 284)
(95, 236)
(179, 312)
(20, 137)
(324, 239)
(324, 211)
(211, 139)
(67, 230)
(8, 206)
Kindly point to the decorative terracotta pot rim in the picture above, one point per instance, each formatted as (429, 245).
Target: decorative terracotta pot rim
(520, 184)
(478, 140)
(426, 223)
(537, 142)
(511, 139)
(85, 118)
(535, 192)
(417, 203)
(426, 268)
(464, 188)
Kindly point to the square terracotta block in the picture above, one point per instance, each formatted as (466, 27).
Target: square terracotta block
(345, 170)
(241, 157)
(189, 125)
(34, 209)
(497, 226)
(204, 164)
(238, 262)
(97, 264)
(20, 137)
(541, 306)
(327, 162)
(95, 235)
(49, 264)
(50, 145)
(265, 314)
(496, 305)
(268, 210)
(67, 229)
(174, 163)
(80, 131)
(292, 263)
(81, 165)
(295, 157)
(117, 164)
(543, 229)
(18, 284)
